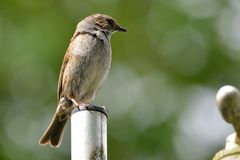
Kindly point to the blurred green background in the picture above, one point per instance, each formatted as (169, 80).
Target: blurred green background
(161, 88)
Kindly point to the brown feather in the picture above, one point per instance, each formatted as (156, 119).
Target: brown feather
(64, 63)
(54, 132)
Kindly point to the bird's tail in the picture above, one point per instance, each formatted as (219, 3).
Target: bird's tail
(54, 132)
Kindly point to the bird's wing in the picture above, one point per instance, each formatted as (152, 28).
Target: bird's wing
(60, 79)
(64, 64)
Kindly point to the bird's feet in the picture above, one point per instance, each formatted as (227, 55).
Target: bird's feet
(80, 105)
(83, 105)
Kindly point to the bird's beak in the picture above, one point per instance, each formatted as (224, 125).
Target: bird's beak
(120, 29)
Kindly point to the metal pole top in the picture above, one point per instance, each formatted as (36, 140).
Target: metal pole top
(91, 107)
(89, 133)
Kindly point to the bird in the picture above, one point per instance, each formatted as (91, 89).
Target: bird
(84, 68)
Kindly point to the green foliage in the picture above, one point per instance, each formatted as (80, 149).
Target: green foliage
(161, 88)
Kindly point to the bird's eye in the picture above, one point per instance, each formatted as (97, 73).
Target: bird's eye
(110, 21)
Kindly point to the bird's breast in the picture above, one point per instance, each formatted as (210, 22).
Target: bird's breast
(89, 63)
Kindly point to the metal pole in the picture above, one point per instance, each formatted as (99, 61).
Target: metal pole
(89, 133)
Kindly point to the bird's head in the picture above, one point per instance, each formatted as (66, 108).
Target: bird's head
(107, 23)
(102, 22)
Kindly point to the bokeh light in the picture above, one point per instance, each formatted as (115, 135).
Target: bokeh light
(161, 87)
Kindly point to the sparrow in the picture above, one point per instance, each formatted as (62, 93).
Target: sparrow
(84, 69)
